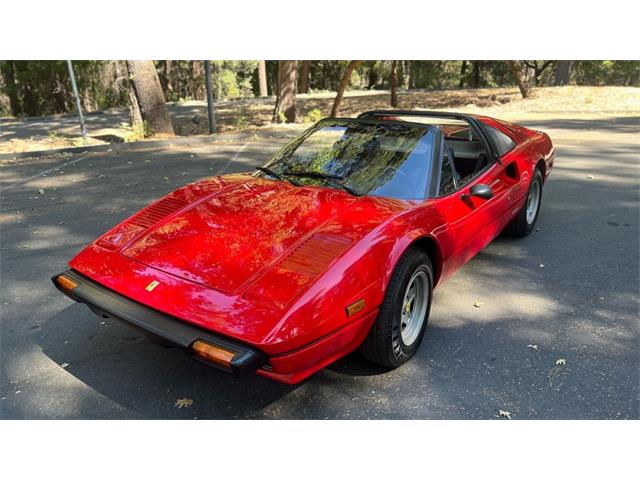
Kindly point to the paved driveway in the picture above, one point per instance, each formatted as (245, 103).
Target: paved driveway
(58, 360)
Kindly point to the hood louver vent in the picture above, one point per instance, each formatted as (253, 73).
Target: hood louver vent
(280, 285)
(157, 212)
(313, 256)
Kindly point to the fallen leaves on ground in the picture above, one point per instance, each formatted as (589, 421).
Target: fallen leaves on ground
(504, 413)
(534, 347)
(64, 365)
(555, 371)
(478, 304)
(183, 402)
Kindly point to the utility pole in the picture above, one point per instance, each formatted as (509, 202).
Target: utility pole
(83, 129)
(207, 75)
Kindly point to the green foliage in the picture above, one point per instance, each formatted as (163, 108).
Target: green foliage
(313, 116)
(242, 122)
(185, 79)
(53, 135)
(233, 78)
(606, 72)
(135, 133)
(227, 85)
(44, 87)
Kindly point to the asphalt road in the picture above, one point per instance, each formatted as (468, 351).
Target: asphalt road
(570, 289)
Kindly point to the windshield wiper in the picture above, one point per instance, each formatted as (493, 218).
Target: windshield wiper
(277, 175)
(328, 178)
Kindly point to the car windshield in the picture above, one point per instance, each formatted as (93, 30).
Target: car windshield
(364, 158)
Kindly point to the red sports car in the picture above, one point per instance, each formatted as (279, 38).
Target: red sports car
(335, 244)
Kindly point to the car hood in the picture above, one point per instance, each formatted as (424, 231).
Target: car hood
(227, 231)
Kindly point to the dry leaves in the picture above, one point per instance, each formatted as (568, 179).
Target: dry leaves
(183, 402)
(478, 304)
(555, 372)
(504, 413)
(533, 347)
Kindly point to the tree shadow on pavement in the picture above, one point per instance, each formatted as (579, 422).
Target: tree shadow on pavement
(145, 378)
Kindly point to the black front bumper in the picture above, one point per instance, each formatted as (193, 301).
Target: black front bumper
(110, 304)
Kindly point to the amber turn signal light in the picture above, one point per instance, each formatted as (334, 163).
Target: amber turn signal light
(65, 283)
(355, 307)
(214, 354)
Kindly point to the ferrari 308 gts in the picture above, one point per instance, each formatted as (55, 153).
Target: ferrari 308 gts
(335, 244)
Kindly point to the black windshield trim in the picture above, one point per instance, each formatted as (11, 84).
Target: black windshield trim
(375, 121)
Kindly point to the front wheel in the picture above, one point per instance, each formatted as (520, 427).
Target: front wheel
(523, 224)
(397, 332)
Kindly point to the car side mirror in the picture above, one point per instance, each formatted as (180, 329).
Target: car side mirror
(481, 190)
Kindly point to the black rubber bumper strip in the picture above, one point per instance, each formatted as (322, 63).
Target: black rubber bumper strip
(111, 304)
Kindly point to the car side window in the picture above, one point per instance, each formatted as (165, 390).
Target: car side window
(503, 142)
(448, 176)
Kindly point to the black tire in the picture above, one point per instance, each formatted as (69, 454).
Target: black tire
(384, 343)
(520, 226)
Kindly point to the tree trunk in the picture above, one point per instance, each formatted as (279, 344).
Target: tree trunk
(563, 72)
(262, 78)
(8, 72)
(344, 81)
(516, 72)
(148, 96)
(276, 109)
(197, 80)
(406, 78)
(393, 82)
(165, 78)
(477, 66)
(538, 69)
(463, 70)
(30, 105)
(87, 101)
(304, 76)
(373, 79)
(116, 70)
(286, 99)
(134, 109)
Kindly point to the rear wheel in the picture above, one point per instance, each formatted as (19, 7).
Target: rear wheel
(397, 332)
(524, 223)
